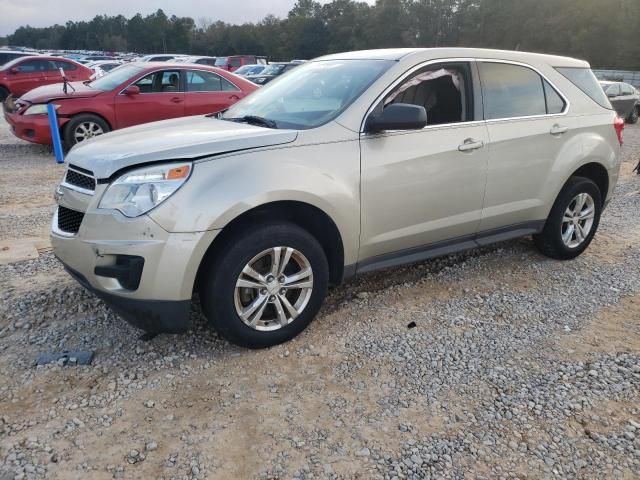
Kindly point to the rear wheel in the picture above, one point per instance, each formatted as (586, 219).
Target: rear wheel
(267, 286)
(84, 127)
(634, 115)
(573, 220)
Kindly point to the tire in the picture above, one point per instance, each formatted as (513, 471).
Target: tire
(4, 94)
(634, 115)
(223, 302)
(84, 122)
(551, 242)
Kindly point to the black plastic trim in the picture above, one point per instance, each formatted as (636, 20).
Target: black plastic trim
(154, 316)
(448, 247)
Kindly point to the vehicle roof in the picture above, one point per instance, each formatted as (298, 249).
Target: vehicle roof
(17, 60)
(18, 51)
(397, 54)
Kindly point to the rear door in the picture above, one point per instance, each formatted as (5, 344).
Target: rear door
(30, 74)
(528, 130)
(208, 92)
(161, 97)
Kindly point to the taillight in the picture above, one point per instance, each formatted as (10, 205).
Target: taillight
(618, 124)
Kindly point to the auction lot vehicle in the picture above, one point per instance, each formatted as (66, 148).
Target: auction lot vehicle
(199, 60)
(234, 62)
(624, 98)
(19, 76)
(130, 95)
(8, 55)
(271, 71)
(350, 163)
(247, 70)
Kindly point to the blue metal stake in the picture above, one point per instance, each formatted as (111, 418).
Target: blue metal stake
(55, 133)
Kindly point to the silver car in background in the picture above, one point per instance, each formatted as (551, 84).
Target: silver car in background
(349, 163)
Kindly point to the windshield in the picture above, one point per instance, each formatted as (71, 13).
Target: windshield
(116, 77)
(311, 94)
(221, 61)
(272, 69)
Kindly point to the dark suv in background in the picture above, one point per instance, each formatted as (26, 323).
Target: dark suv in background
(624, 98)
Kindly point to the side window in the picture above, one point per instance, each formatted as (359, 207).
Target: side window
(65, 66)
(443, 90)
(511, 91)
(614, 90)
(555, 103)
(160, 82)
(33, 66)
(200, 81)
(235, 62)
(227, 86)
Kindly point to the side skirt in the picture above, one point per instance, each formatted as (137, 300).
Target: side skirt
(447, 247)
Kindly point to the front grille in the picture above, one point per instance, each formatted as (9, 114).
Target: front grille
(69, 220)
(81, 180)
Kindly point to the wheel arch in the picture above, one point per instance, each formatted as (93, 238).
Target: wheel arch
(309, 217)
(84, 112)
(597, 173)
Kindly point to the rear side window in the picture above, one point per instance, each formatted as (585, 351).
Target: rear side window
(65, 66)
(585, 80)
(555, 103)
(627, 89)
(511, 91)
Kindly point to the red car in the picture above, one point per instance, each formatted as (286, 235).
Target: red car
(26, 73)
(129, 95)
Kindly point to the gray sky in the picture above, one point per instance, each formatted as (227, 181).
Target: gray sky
(42, 13)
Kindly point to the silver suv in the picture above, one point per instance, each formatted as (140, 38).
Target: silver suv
(347, 164)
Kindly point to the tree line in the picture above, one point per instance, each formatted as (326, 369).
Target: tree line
(605, 32)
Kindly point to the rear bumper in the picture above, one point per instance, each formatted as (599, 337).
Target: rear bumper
(156, 316)
(32, 128)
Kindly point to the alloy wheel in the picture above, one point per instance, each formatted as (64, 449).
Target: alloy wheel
(87, 130)
(273, 288)
(578, 220)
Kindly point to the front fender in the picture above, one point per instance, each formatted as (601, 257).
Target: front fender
(326, 176)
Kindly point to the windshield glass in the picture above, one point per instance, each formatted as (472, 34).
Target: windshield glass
(311, 94)
(272, 69)
(116, 77)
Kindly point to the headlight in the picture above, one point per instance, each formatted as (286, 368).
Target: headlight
(138, 191)
(38, 109)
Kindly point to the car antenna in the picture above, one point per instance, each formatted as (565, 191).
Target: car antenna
(66, 84)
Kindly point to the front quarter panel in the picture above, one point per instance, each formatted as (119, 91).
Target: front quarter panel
(324, 175)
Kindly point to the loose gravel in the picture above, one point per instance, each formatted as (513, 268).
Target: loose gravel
(494, 363)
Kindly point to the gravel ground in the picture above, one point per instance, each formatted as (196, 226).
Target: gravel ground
(496, 363)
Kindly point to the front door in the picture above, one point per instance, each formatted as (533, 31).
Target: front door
(161, 97)
(423, 188)
(29, 75)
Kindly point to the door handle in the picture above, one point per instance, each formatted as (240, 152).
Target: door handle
(234, 97)
(558, 129)
(470, 144)
(176, 99)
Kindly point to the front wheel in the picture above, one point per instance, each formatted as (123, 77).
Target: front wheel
(634, 115)
(266, 284)
(84, 127)
(573, 220)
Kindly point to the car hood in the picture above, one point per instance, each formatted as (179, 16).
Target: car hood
(47, 93)
(179, 139)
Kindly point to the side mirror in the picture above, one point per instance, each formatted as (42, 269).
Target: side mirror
(398, 116)
(14, 70)
(132, 90)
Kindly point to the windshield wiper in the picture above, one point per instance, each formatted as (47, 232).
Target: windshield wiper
(254, 120)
